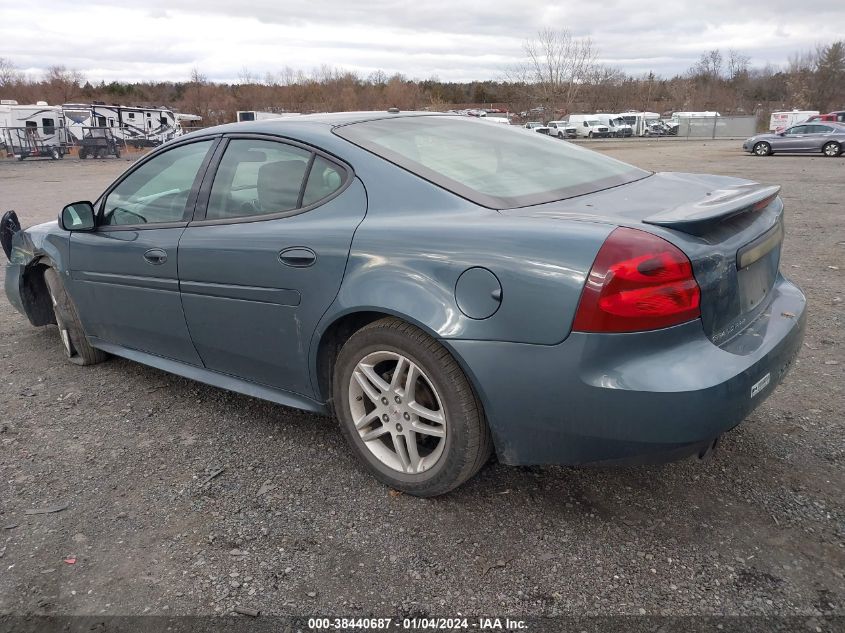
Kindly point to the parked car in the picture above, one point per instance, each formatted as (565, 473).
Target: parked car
(588, 126)
(537, 127)
(562, 129)
(807, 138)
(446, 292)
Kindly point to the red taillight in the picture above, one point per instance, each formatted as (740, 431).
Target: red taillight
(638, 282)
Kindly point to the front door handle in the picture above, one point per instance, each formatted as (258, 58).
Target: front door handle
(298, 257)
(155, 256)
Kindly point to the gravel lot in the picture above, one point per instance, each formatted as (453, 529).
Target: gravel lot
(292, 525)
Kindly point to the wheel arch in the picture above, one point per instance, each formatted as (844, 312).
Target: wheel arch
(33, 292)
(333, 332)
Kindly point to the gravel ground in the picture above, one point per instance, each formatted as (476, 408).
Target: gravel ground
(292, 525)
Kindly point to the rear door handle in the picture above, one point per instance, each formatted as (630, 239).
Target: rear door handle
(298, 257)
(155, 256)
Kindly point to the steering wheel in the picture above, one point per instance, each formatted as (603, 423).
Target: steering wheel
(111, 214)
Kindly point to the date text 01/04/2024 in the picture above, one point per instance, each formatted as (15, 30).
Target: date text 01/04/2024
(418, 624)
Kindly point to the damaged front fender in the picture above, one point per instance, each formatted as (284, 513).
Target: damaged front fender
(9, 225)
(30, 253)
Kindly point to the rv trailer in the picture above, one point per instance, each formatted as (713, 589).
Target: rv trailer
(136, 126)
(39, 119)
(32, 130)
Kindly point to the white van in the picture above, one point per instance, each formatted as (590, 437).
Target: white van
(642, 123)
(783, 120)
(589, 126)
(616, 123)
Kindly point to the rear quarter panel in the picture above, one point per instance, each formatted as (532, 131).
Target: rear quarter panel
(417, 239)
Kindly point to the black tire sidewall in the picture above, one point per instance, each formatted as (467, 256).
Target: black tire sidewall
(438, 479)
(83, 353)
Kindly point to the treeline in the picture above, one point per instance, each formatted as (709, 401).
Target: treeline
(561, 75)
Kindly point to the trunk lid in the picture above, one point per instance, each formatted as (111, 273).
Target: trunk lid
(730, 229)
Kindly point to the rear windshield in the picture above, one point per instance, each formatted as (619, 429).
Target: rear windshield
(496, 167)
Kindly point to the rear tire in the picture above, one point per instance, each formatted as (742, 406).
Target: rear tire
(76, 346)
(82, 153)
(762, 149)
(366, 380)
(832, 149)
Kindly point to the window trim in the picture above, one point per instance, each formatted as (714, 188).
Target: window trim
(201, 207)
(190, 206)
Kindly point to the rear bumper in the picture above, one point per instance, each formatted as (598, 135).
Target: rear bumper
(630, 397)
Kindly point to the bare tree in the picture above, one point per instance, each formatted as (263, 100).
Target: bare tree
(63, 84)
(602, 84)
(737, 64)
(9, 74)
(555, 69)
(738, 77)
(709, 66)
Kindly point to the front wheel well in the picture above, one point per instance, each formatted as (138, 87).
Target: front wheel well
(35, 296)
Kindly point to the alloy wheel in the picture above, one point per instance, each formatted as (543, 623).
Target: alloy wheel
(397, 412)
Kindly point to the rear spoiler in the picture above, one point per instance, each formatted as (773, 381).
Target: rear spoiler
(9, 225)
(697, 218)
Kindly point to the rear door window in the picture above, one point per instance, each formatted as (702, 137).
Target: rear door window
(261, 177)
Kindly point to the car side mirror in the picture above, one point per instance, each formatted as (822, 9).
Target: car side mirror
(78, 216)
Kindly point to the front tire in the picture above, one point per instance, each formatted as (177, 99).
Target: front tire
(832, 149)
(76, 346)
(407, 409)
(762, 149)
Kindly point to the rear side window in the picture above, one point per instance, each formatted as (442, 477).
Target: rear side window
(499, 168)
(325, 178)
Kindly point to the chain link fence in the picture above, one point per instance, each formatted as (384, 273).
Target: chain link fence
(717, 127)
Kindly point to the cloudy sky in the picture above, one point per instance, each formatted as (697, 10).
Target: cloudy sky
(448, 39)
